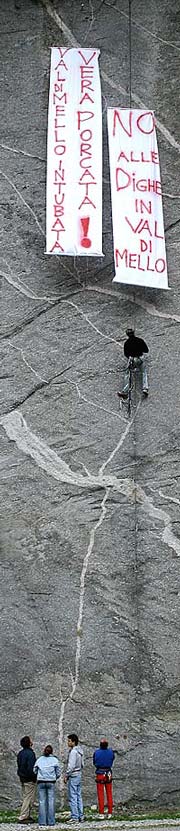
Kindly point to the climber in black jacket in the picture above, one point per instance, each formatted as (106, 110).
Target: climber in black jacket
(135, 347)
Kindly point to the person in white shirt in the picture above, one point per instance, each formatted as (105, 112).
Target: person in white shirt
(47, 769)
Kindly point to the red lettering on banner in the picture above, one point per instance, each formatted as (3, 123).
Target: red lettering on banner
(60, 175)
(57, 97)
(140, 118)
(60, 80)
(132, 157)
(59, 100)
(148, 265)
(60, 97)
(160, 270)
(127, 180)
(86, 158)
(86, 84)
(57, 133)
(60, 110)
(135, 230)
(118, 118)
(63, 96)
(145, 246)
(57, 201)
(87, 172)
(84, 98)
(83, 136)
(62, 63)
(153, 157)
(58, 211)
(84, 148)
(122, 256)
(140, 268)
(87, 201)
(86, 72)
(87, 113)
(61, 136)
(133, 260)
(148, 185)
(158, 236)
(132, 151)
(123, 155)
(141, 184)
(86, 179)
(132, 257)
(62, 53)
(59, 186)
(58, 226)
(60, 149)
(145, 226)
(57, 124)
(85, 240)
(140, 206)
(56, 245)
(60, 115)
(84, 59)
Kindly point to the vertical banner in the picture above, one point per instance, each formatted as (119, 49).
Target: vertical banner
(138, 227)
(74, 154)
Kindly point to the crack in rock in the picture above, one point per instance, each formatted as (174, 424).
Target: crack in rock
(17, 430)
(22, 152)
(144, 29)
(24, 201)
(18, 348)
(75, 678)
(137, 301)
(91, 403)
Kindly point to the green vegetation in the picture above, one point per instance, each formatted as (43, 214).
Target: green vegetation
(125, 813)
(8, 815)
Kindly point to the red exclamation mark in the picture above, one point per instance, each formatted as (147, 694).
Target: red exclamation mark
(85, 241)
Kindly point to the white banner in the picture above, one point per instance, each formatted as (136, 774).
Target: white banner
(74, 154)
(138, 228)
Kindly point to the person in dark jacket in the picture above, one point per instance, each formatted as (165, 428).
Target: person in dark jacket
(103, 759)
(25, 762)
(136, 348)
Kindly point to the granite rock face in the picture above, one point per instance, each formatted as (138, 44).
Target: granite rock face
(90, 522)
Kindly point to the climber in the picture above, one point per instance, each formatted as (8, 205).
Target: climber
(135, 347)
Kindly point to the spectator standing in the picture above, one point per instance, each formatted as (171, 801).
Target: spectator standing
(25, 764)
(75, 766)
(47, 769)
(103, 759)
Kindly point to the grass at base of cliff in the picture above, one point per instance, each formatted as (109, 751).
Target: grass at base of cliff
(123, 813)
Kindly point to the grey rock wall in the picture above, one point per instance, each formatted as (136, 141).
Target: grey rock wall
(90, 534)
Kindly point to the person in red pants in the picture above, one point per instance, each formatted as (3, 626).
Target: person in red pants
(103, 758)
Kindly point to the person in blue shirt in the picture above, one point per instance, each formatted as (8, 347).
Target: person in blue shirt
(103, 759)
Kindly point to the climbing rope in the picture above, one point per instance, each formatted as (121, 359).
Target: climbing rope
(137, 668)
